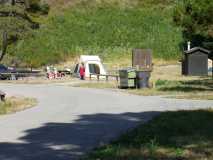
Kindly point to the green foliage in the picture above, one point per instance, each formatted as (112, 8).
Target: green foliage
(169, 136)
(17, 21)
(36, 6)
(195, 16)
(108, 31)
(160, 82)
(16, 27)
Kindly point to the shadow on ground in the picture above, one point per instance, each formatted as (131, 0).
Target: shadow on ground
(188, 86)
(181, 135)
(68, 141)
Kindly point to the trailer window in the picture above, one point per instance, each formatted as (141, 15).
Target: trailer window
(94, 69)
(76, 68)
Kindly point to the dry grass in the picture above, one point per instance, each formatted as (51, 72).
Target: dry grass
(198, 96)
(98, 85)
(170, 72)
(147, 92)
(16, 104)
(42, 80)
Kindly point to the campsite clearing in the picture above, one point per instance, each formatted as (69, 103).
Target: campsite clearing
(166, 81)
(68, 122)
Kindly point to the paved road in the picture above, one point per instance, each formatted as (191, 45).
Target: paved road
(68, 122)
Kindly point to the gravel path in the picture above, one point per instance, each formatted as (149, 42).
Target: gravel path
(68, 122)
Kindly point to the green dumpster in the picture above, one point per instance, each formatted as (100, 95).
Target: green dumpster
(127, 78)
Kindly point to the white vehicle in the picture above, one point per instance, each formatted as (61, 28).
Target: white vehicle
(92, 64)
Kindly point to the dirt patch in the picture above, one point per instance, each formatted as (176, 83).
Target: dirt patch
(171, 72)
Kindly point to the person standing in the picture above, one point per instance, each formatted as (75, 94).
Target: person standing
(82, 71)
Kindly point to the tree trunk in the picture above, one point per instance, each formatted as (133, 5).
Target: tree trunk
(4, 46)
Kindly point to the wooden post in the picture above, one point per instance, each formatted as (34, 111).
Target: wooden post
(90, 76)
(98, 77)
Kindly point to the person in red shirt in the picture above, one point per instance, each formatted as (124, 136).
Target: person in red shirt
(82, 71)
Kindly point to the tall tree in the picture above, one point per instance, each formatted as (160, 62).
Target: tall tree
(4, 46)
(16, 21)
(195, 16)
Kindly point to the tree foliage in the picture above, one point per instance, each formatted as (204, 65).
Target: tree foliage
(196, 18)
(16, 18)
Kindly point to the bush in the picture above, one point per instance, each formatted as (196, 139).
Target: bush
(160, 82)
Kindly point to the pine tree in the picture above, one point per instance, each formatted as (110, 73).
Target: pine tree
(16, 21)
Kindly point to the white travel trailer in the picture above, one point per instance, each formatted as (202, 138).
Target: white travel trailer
(92, 64)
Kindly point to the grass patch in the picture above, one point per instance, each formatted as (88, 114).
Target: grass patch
(42, 80)
(182, 135)
(168, 81)
(193, 96)
(182, 89)
(99, 85)
(16, 104)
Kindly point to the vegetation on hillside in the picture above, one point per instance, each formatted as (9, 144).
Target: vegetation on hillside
(106, 28)
(110, 28)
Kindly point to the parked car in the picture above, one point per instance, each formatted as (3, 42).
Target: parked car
(14, 73)
(6, 72)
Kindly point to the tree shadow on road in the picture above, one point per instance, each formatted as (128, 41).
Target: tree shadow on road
(68, 141)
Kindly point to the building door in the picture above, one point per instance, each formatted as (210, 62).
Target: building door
(198, 64)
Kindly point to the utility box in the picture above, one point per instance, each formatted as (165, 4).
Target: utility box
(195, 62)
(127, 78)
